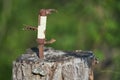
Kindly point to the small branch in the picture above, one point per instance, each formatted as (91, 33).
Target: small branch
(50, 42)
(27, 27)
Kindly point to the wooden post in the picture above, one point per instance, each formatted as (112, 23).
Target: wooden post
(56, 65)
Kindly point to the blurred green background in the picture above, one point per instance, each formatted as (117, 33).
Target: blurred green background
(79, 24)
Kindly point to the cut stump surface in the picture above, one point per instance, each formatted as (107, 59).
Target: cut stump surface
(56, 65)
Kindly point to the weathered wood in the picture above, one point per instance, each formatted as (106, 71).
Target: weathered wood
(57, 65)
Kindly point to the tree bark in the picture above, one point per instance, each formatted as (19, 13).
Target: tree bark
(56, 65)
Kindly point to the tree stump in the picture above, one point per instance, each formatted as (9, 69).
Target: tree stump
(56, 65)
